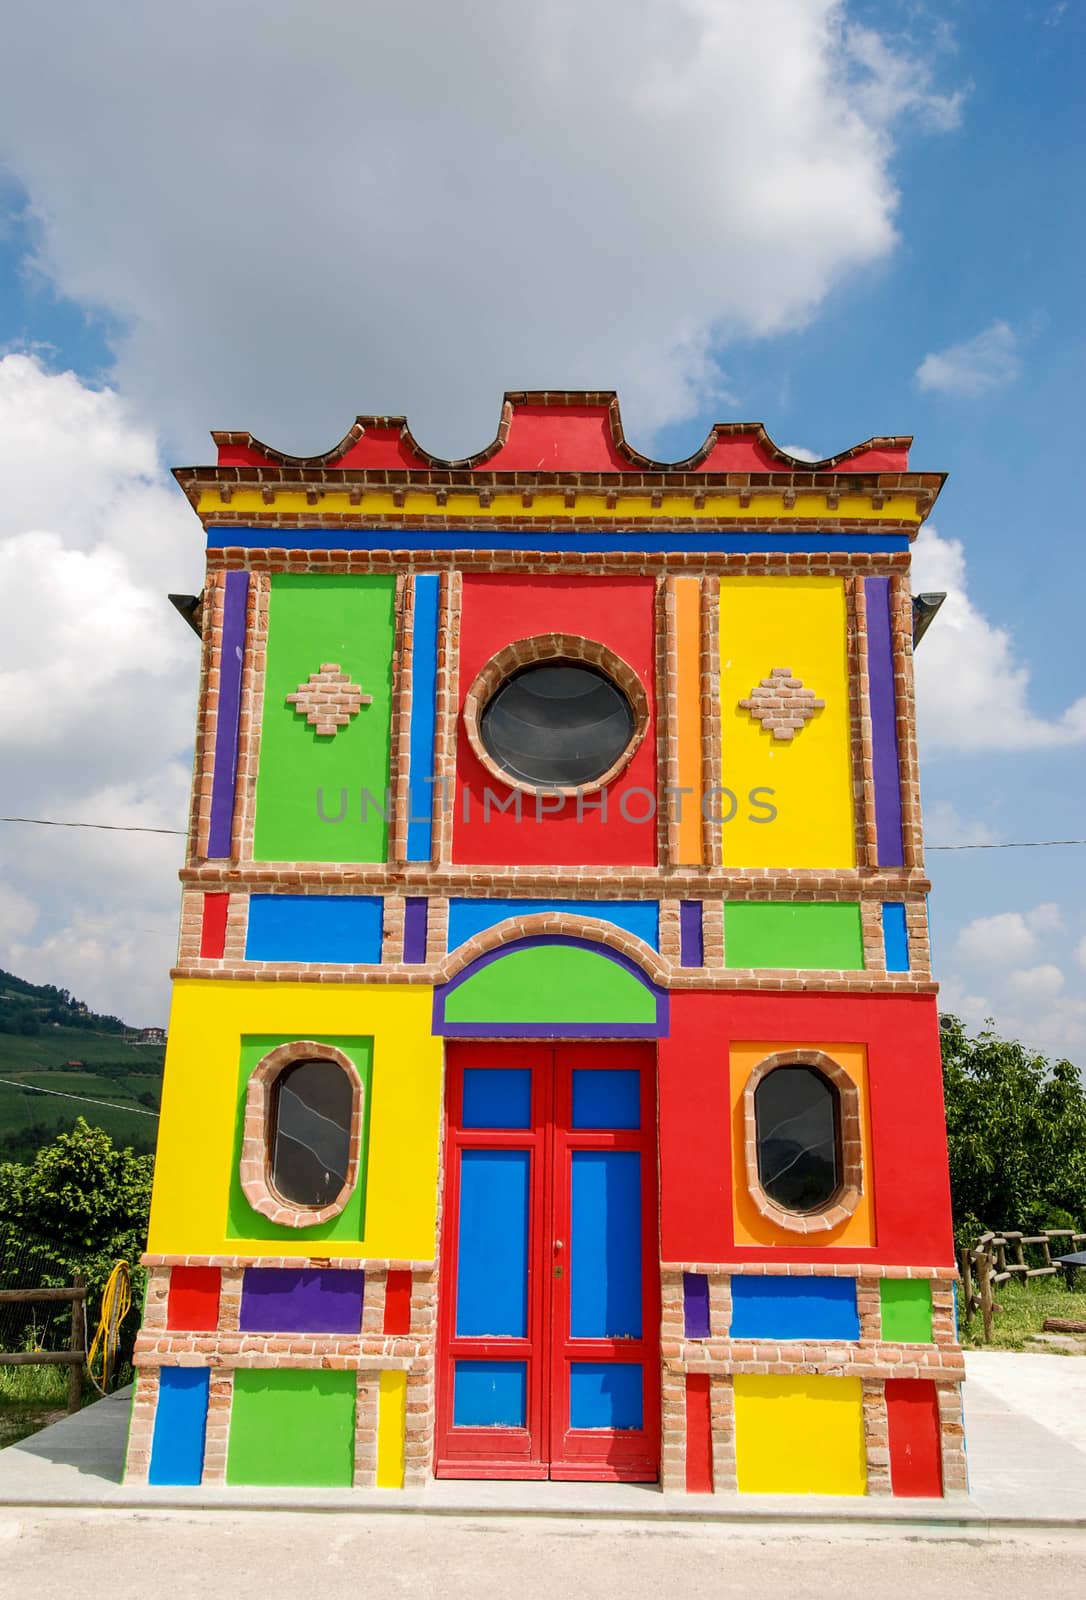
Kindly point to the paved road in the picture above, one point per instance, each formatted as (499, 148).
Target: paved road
(125, 1555)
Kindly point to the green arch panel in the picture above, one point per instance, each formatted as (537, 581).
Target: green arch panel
(552, 983)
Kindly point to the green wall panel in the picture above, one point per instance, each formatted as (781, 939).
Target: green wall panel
(314, 619)
(551, 983)
(245, 1223)
(906, 1310)
(759, 934)
(291, 1427)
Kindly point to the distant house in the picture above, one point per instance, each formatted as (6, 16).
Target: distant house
(75, 1063)
(152, 1036)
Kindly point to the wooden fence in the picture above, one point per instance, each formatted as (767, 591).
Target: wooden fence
(986, 1266)
(75, 1356)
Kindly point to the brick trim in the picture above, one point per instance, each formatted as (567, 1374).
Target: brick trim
(208, 718)
(445, 720)
(252, 715)
(256, 1181)
(553, 647)
(453, 561)
(850, 1188)
(399, 743)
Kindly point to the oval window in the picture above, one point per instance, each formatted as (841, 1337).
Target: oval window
(798, 1122)
(310, 1134)
(558, 724)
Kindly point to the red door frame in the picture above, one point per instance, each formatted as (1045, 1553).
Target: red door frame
(546, 1447)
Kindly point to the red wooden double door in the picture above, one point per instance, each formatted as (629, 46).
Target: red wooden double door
(548, 1327)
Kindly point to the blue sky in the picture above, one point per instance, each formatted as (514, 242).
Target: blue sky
(840, 220)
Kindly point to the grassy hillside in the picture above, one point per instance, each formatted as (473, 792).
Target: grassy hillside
(42, 1031)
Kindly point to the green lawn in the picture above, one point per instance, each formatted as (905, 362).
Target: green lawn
(1024, 1308)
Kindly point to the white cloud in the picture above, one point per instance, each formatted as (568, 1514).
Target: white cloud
(1047, 918)
(972, 691)
(413, 207)
(1080, 952)
(988, 361)
(1037, 982)
(98, 682)
(944, 825)
(999, 940)
(801, 452)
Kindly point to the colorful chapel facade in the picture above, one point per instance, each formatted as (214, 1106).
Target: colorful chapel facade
(553, 1083)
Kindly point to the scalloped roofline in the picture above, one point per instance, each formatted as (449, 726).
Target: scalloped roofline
(568, 430)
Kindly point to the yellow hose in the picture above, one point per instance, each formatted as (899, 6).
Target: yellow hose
(116, 1300)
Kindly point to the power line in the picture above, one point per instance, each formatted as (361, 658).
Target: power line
(110, 1105)
(180, 833)
(106, 827)
(1016, 844)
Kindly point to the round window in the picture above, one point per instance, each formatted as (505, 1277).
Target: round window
(798, 1119)
(559, 724)
(311, 1109)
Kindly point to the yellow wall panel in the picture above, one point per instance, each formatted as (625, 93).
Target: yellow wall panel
(750, 1226)
(199, 1100)
(799, 1435)
(798, 623)
(391, 1430)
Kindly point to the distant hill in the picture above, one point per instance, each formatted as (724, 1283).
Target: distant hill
(50, 1040)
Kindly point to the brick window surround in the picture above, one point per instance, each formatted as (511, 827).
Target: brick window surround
(257, 1135)
(553, 648)
(843, 1203)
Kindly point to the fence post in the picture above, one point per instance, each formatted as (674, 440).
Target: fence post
(984, 1265)
(75, 1370)
(967, 1285)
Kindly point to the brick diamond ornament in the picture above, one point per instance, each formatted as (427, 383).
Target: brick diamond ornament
(781, 704)
(329, 700)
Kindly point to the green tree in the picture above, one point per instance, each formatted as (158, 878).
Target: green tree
(1016, 1130)
(84, 1203)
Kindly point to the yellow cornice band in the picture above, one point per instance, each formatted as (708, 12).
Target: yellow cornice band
(899, 508)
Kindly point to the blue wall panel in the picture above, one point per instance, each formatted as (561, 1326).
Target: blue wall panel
(314, 927)
(490, 1394)
(469, 917)
(794, 1308)
(605, 1245)
(497, 1097)
(605, 1394)
(177, 1449)
(423, 709)
(605, 1098)
(895, 937)
(492, 1265)
(547, 539)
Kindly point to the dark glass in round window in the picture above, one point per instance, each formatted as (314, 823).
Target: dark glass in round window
(558, 725)
(312, 1103)
(797, 1116)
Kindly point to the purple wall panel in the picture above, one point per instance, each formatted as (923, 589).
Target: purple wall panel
(301, 1300)
(224, 778)
(690, 945)
(696, 1305)
(415, 915)
(884, 753)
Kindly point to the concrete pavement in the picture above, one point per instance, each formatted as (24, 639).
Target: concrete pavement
(1025, 1424)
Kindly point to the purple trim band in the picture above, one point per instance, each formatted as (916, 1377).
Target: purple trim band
(691, 951)
(415, 918)
(886, 770)
(551, 1030)
(231, 658)
(696, 1305)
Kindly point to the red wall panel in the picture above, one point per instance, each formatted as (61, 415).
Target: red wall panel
(619, 613)
(398, 1302)
(193, 1304)
(912, 1414)
(699, 1435)
(905, 1095)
